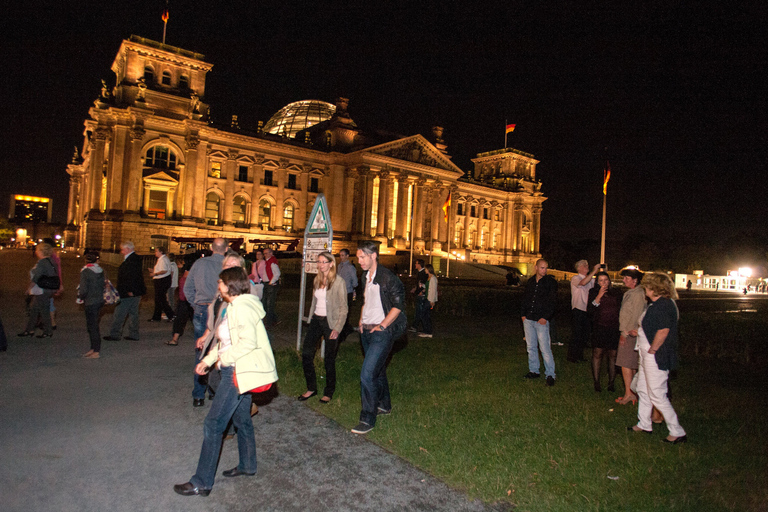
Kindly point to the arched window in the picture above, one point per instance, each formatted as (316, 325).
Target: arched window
(160, 157)
(166, 78)
(183, 82)
(149, 75)
(239, 210)
(288, 217)
(265, 214)
(212, 202)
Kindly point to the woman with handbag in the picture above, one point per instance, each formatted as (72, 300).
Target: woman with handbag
(327, 316)
(44, 282)
(244, 355)
(90, 294)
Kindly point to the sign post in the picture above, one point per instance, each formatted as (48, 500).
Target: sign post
(318, 237)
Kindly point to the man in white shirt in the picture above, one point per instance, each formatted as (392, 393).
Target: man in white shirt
(580, 286)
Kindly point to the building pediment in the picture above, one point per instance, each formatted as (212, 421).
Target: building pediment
(415, 149)
(161, 178)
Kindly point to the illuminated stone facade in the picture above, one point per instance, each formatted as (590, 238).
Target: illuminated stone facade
(153, 167)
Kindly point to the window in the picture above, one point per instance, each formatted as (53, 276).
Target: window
(265, 213)
(160, 157)
(314, 185)
(215, 171)
(268, 178)
(288, 217)
(166, 78)
(460, 209)
(183, 82)
(239, 210)
(458, 236)
(149, 75)
(242, 174)
(157, 203)
(473, 211)
(212, 209)
(496, 215)
(292, 181)
(485, 213)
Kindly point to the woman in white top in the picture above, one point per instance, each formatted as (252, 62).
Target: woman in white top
(161, 278)
(326, 319)
(431, 295)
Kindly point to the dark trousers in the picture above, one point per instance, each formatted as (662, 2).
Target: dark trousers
(92, 323)
(418, 320)
(41, 309)
(374, 386)
(183, 314)
(423, 314)
(3, 339)
(581, 328)
(269, 300)
(161, 298)
(319, 328)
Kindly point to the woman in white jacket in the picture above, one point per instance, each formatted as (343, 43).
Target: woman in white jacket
(244, 355)
(327, 316)
(431, 294)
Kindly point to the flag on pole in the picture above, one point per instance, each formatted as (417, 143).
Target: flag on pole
(606, 177)
(510, 128)
(447, 207)
(165, 16)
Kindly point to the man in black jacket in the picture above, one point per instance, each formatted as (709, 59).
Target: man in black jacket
(130, 286)
(539, 301)
(382, 321)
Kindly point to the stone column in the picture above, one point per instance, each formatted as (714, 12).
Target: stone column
(491, 226)
(300, 215)
(467, 210)
(230, 168)
(402, 210)
(282, 178)
(369, 206)
(188, 176)
(347, 207)
(417, 227)
(120, 165)
(536, 229)
(133, 184)
(96, 170)
(382, 217)
(518, 227)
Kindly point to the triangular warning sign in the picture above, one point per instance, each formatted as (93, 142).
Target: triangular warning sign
(319, 222)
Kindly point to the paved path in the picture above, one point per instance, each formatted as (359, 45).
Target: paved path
(116, 433)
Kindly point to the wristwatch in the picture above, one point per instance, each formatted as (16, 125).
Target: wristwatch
(381, 326)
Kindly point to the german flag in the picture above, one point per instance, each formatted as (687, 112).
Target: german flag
(606, 177)
(510, 128)
(447, 207)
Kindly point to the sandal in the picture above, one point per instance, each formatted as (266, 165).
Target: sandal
(172, 343)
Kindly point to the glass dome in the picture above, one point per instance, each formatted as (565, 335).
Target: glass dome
(293, 118)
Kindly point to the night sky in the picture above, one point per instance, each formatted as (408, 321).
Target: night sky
(671, 96)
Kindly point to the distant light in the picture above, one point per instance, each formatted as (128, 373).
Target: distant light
(58, 237)
(745, 272)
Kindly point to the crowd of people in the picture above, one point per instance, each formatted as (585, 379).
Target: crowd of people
(231, 309)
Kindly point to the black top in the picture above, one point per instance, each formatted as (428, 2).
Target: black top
(421, 282)
(392, 293)
(130, 278)
(607, 313)
(662, 314)
(540, 298)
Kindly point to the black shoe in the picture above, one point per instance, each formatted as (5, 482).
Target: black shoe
(362, 428)
(611, 387)
(198, 402)
(681, 439)
(45, 335)
(188, 489)
(598, 388)
(154, 320)
(550, 381)
(26, 334)
(211, 394)
(531, 375)
(110, 338)
(236, 472)
(632, 429)
(130, 339)
(302, 398)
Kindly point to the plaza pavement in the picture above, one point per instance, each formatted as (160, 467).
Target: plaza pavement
(115, 434)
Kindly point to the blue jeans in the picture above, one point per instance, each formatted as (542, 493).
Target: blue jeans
(374, 386)
(227, 404)
(423, 311)
(537, 338)
(128, 308)
(199, 322)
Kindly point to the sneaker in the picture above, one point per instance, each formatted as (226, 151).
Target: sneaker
(550, 381)
(362, 428)
(531, 375)
(380, 411)
(424, 335)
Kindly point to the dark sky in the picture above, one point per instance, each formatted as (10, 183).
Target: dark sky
(674, 94)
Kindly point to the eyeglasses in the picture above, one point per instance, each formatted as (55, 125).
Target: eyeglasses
(324, 262)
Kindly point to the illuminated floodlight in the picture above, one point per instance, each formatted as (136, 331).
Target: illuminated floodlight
(745, 272)
(58, 237)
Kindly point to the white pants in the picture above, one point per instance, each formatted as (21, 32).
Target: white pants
(652, 391)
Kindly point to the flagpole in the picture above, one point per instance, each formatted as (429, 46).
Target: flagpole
(410, 233)
(602, 237)
(506, 123)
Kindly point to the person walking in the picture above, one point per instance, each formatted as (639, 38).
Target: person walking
(200, 289)
(183, 308)
(162, 278)
(173, 290)
(244, 356)
(90, 294)
(538, 307)
(131, 287)
(44, 282)
(430, 297)
(347, 271)
(420, 298)
(581, 284)
(327, 317)
(382, 321)
(271, 282)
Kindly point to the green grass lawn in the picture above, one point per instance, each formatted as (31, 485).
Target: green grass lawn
(463, 412)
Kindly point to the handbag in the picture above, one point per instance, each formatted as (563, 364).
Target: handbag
(111, 297)
(259, 389)
(49, 282)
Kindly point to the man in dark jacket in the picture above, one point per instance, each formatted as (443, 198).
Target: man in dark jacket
(382, 321)
(538, 307)
(130, 286)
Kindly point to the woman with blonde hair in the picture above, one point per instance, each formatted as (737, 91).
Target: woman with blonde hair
(657, 346)
(327, 316)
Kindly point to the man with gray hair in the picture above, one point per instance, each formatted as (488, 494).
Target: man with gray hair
(130, 286)
(580, 326)
(201, 288)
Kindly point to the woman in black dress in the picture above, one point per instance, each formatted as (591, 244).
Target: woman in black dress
(603, 306)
